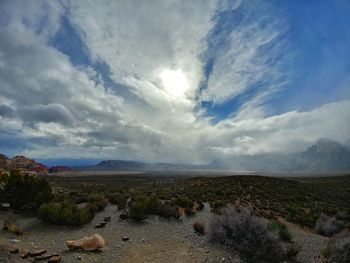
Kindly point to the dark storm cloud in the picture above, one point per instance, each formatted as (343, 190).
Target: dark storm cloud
(47, 113)
(6, 111)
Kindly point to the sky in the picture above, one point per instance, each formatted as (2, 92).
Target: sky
(172, 81)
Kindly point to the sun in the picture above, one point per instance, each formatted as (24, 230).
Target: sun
(175, 82)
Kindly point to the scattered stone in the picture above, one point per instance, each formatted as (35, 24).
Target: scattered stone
(88, 243)
(101, 225)
(207, 251)
(125, 238)
(4, 206)
(13, 240)
(12, 249)
(79, 258)
(107, 219)
(37, 253)
(46, 257)
(24, 253)
(55, 259)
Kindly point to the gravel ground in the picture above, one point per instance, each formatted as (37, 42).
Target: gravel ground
(157, 240)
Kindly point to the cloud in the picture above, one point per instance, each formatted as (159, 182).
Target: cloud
(47, 113)
(56, 108)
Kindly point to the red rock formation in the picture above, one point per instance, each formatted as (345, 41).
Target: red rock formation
(23, 164)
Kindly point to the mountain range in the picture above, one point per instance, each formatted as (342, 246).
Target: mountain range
(322, 157)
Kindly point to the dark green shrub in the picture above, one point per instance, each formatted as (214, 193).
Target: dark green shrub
(137, 211)
(281, 230)
(118, 199)
(169, 211)
(199, 228)
(329, 225)
(182, 202)
(96, 203)
(64, 213)
(24, 191)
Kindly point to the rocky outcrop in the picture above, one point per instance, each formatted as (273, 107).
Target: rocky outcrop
(22, 164)
(90, 243)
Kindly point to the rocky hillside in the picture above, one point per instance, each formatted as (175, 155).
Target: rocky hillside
(23, 164)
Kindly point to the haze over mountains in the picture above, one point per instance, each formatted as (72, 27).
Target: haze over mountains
(323, 156)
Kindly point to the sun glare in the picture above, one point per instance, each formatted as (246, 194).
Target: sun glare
(174, 82)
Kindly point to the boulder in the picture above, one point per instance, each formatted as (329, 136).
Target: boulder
(24, 253)
(55, 259)
(46, 257)
(87, 243)
(101, 225)
(36, 253)
(4, 206)
(12, 249)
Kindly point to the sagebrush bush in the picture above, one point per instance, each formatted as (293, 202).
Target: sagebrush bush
(24, 191)
(328, 225)
(182, 201)
(199, 228)
(143, 206)
(64, 213)
(238, 229)
(281, 230)
(118, 199)
(169, 211)
(338, 249)
(12, 227)
(96, 203)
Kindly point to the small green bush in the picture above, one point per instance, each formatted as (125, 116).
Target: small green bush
(281, 229)
(118, 199)
(96, 203)
(64, 213)
(137, 211)
(182, 202)
(24, 191)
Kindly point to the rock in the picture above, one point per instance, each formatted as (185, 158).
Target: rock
(88, 243)
(107, 219)
(4, 206)
(12, 249)
(101, 225)
(125, 238)
(55, 259)
(24, 253)
(79, 258)
(37, 253)
(46, 257)
(13, 240)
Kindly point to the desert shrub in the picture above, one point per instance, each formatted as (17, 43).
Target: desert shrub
(328, 226)
(118, 199)
(12, 227)
(189, 212)
(64, 213)
(200, 205)
(338, 249)
(236, 228)
(199, 228)
(281, 230)
(169, 211)
(96, 203)
(217, 204)
(182, 202)
(143, 206)
(24, 191)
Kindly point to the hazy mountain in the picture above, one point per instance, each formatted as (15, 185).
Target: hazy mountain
(324, 156)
